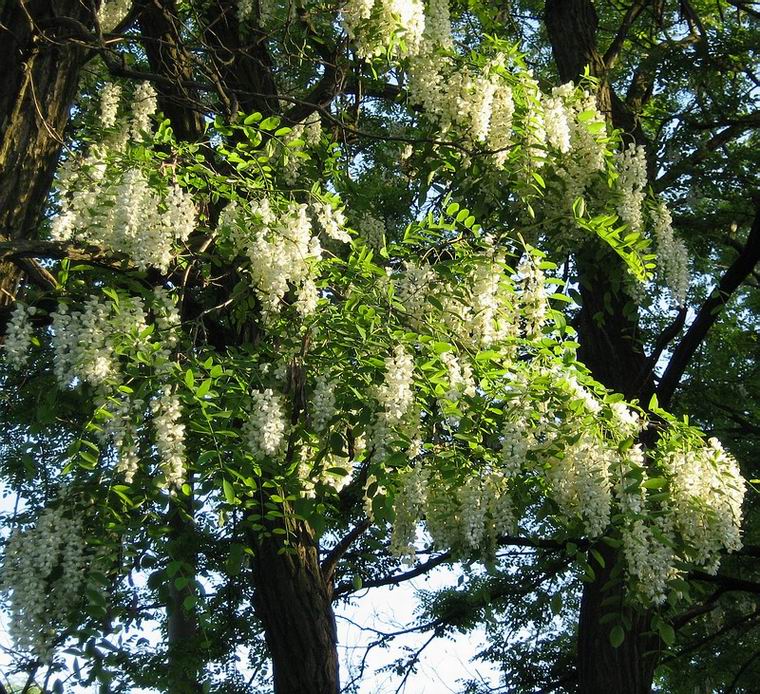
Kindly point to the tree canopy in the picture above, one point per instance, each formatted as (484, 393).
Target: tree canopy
(303, 298)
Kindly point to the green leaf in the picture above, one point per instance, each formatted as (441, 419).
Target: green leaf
(229, 492)
(667, 633)
(203, 388)
(655, 483)
(189, 378)
(617, 636)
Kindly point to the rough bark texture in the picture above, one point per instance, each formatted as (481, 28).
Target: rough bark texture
(40, 77)
(612, 350)
(294, 603)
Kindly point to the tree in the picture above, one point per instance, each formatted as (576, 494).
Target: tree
(308, 300)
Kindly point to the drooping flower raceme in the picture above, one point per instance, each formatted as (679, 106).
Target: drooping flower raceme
(43, 575)
(267, 424)
(18, 335)
(672, 256)
(170, 436)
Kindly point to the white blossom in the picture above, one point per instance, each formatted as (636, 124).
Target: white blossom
(170, 436)
(109, 105)
(43, 576)
(266, 426)
(18, 335)
(672, 256)
(323, 404)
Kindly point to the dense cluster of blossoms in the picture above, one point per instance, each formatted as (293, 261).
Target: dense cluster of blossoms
(170, 436)
(18, 335)
(672, 256)
(111, 12)
(705, 500)
(375, 26)
(307, 134)
(43, 575)
(587, 474)
(267, 424)
(396, 399)
(282, 247)
(323, 404)
(85, 341)
(533, 297)
(122, 211)
(89, 345)
(632, 167)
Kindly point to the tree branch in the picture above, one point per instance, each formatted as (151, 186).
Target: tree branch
(612, 53)
(333, 556)
(710, 311)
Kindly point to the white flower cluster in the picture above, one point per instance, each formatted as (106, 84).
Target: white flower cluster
(127, 216)
(585, 159)
(372, 230)
(43, 576)
(85, 341)
(466, 518)
(475, 101)
(244, 10)
(110, 99)
(672, 256)
(170, 436)
(396, 398)
(282, 247)
(309, 132)
(556, 119)
(396, 394)
(332, 221)
(406, 508)
(631, 185)
(413, 287)
(494, 313)
(18, 335)
(267, 424)
(533, 296)
(323, 404)
(143, 108)
(705, 500)
(461, 380)
(515, 445)
(581, 485)
(111, 12)
(649, 558)
(376, 26)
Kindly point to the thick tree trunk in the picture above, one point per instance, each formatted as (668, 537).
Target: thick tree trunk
(602, 669)
(294, 603)
(611, 348)
(40, 77)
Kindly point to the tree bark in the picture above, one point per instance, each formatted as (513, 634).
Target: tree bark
(294, 603)
(40, 77)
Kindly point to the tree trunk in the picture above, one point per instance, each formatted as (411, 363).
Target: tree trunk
(602, 669)
(40, 77)
(294, 603)
(611, 348)
(185, 657)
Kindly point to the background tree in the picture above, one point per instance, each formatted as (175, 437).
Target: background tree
(406, 143)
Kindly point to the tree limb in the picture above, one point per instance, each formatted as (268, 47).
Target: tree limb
(710, 311)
